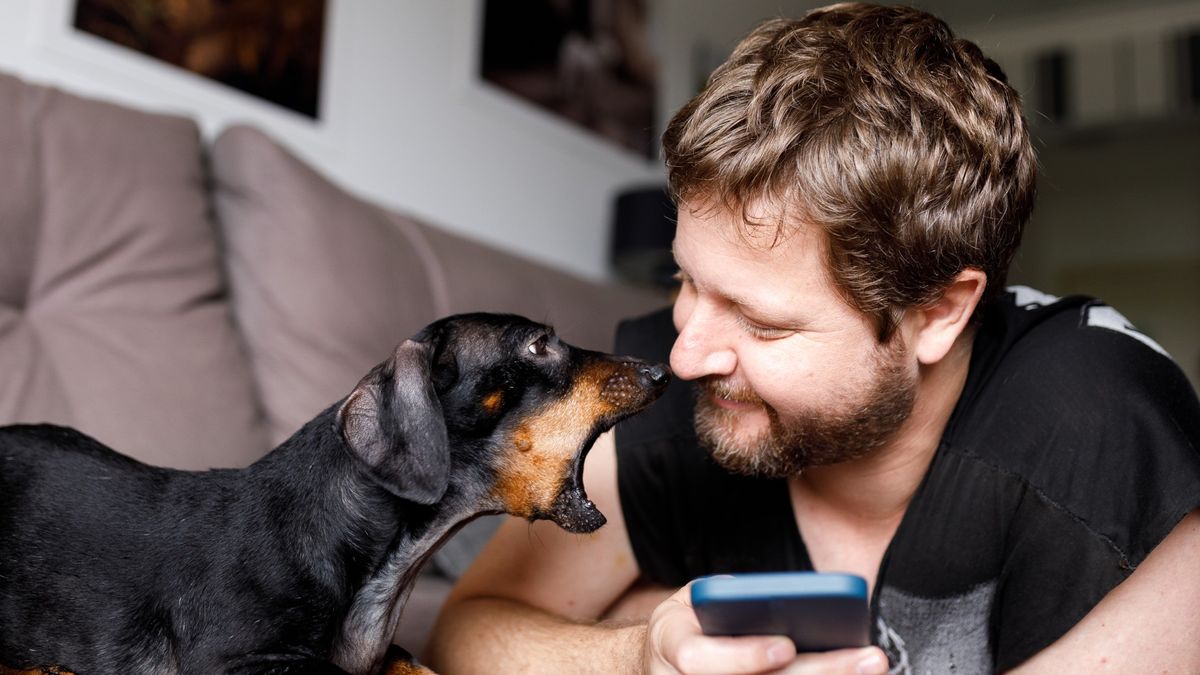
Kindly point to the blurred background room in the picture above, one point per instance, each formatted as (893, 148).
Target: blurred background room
(523, 124)
(258, 198)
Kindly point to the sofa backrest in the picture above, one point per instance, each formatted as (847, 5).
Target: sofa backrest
(114, 316)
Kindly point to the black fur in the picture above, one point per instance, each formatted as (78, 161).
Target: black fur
(298, 563)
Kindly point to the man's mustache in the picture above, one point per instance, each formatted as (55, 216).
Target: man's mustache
(732, 391)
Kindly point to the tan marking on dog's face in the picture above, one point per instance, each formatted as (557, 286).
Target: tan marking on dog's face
(541, 450)
(493, 401)
(522, 440)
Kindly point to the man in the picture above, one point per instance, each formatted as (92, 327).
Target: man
(1016, 476)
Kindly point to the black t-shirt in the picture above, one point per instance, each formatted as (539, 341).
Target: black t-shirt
(1073, 450)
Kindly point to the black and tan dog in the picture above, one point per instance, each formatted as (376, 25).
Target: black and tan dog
(300, 563)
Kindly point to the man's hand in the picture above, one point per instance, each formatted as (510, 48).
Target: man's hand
(675, 644)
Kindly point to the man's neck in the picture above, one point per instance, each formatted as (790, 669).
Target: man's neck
(877, 489)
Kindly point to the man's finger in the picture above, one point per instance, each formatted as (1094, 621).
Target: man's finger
(867, 661)
(704, 655)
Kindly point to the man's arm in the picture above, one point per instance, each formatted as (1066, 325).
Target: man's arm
(1150, 623)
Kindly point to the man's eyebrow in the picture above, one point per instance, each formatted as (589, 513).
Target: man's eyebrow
(759, 313)
(765, 315)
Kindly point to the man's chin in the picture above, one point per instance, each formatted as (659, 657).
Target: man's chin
(749, 428)
(744, 428)
(749, 459)
(735, 440)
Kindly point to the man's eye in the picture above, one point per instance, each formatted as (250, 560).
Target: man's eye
(538, 346)
(761, 332)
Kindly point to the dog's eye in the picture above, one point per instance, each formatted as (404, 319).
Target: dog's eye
(538, 346)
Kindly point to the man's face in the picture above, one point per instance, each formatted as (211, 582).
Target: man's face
(789, 375)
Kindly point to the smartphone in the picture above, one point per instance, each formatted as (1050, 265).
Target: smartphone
(819, 611)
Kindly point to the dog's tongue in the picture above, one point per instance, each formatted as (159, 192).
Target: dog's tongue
(575, 513)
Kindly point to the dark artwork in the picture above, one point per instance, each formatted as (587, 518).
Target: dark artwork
(587, 60)
(268, 48)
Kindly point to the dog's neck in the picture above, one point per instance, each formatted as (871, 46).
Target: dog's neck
(357, 534)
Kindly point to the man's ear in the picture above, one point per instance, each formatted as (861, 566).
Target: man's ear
(392, 421)
(938, 325)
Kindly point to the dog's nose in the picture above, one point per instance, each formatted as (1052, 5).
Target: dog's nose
(658, 374)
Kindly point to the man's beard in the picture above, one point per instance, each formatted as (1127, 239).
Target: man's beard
(813, 436)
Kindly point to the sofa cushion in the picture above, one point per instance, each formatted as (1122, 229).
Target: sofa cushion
(325, 285)
(113, 317)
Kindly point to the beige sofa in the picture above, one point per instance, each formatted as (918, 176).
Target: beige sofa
(192, 305)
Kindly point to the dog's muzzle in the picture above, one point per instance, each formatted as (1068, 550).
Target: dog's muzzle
(628, 390)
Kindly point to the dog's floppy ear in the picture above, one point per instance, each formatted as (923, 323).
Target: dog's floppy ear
(393, 422)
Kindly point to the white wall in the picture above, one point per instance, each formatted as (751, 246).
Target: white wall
(403, 122)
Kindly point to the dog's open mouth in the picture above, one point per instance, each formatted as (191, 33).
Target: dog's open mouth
(572, 510)
(632, 390)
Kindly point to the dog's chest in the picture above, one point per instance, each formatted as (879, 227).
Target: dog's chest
(373, 616)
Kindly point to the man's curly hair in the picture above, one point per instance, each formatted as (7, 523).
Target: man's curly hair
(904, 144)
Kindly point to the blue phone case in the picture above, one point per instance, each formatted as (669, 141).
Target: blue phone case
(819, 611)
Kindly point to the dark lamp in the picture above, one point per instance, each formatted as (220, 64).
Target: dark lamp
(643, 228)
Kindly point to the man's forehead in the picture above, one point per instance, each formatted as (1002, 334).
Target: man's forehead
(757, 273)
(764, 241)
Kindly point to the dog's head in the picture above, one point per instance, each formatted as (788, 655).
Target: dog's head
(501, 402)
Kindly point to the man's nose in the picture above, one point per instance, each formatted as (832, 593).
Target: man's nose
(703, 346)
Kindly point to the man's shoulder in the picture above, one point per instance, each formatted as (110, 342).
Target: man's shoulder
(1068, 397)
(1066, 356)
(1067, 364)
(1075, 330)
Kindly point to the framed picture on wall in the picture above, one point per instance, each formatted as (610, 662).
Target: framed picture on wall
(588, 61)
(268, 48)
